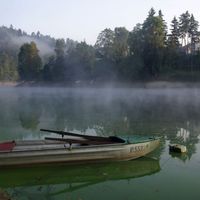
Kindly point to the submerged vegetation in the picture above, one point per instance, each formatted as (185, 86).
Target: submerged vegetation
(151, 51)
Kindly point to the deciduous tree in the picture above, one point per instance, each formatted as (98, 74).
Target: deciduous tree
(29, 62)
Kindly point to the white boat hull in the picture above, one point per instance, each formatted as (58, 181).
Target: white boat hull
(39, 153)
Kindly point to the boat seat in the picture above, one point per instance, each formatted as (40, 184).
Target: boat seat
(7, 146)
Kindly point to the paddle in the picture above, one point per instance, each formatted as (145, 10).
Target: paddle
(63, 133)
(75, 141)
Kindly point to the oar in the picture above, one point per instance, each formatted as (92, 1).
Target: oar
(75, 141)
(89, 137)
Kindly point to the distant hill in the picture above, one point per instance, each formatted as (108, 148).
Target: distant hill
(11, 39)
(10, 42)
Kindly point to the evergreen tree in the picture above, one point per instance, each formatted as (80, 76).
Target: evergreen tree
(59, 66)
(80, 63)
(154, 42)
(160, 14)
(172, 51)
(136, 40)
(48, 71)
(173, 39)
(184, 26)
(151, 13)
(193, 32)
(60, 48)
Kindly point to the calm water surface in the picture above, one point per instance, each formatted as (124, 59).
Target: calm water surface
(172, 113)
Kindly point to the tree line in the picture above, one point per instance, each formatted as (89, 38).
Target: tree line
(150, 51)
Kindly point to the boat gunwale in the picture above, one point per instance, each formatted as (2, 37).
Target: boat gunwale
(109, 149)
(78, 147)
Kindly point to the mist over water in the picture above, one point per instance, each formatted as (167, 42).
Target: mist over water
(97, 111)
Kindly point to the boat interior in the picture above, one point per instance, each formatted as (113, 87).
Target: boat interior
(57, 142)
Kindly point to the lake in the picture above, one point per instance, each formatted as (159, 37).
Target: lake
(173, 113)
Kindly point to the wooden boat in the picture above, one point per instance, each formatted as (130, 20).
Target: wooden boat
(76, 149)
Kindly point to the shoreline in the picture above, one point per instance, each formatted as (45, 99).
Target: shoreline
(8, 84)
(147, 84)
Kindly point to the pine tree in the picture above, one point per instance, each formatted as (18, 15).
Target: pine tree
(193, 32)
(173, 39)
(154, 35)
(160, 14)
(184, 26)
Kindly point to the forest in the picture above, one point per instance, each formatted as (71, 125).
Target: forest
(151, 51)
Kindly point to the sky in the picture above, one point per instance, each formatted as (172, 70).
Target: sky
(83, 20)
